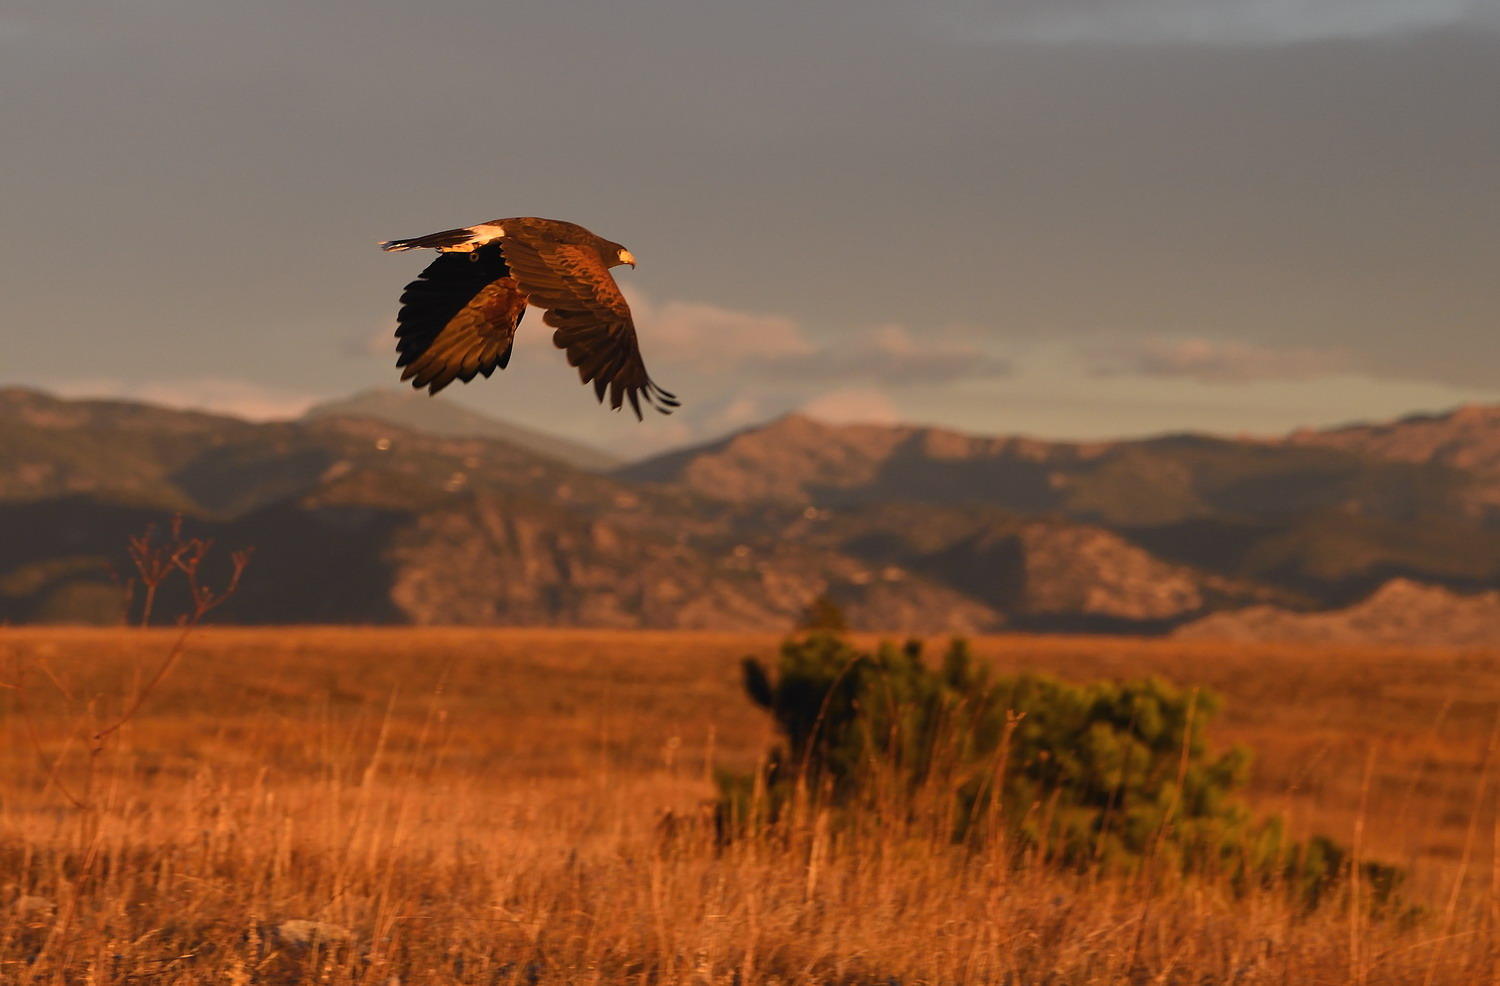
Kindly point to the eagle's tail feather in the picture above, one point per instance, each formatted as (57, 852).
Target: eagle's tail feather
(432, 241)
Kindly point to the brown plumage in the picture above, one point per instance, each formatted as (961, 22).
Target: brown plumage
(459, 318)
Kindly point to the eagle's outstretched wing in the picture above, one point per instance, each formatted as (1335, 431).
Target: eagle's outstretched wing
(458, 319)
(590, 315)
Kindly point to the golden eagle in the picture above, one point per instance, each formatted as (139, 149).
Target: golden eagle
(459, 318)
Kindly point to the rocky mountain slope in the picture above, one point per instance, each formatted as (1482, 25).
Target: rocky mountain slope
(1317, 519)
(1467, 438)
(1400, 613)
(1126, 483)
(416, 411)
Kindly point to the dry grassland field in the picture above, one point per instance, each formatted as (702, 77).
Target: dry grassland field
(521, 806)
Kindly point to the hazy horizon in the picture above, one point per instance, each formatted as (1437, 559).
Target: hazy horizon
(708, 439)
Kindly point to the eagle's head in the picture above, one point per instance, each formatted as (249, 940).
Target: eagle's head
(615, 255)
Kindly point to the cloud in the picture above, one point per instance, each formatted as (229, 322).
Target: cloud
(238, 398)
(1214, 22)
(711, 340)
(372, 342)
(893, 355)
(1215, 360)
(741, 410)
(702, 334)
(853, 405)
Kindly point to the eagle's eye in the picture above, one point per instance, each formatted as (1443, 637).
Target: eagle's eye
(626, 257)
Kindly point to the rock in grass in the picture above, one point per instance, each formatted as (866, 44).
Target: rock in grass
(303, 933)
(32, 908)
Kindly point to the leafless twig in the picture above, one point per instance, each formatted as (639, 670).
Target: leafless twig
(155, 560)
(185, 556)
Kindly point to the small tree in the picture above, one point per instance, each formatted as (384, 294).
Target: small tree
(823, 614)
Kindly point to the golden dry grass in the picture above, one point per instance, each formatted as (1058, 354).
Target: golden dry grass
(486, 806)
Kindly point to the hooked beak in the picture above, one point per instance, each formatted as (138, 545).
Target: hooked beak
(626, 257)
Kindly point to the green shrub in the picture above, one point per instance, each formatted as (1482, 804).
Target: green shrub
(1103, 774)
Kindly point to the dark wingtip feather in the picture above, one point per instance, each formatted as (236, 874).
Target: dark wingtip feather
(663, 400)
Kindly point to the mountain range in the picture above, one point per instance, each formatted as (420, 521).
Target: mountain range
(375, 511)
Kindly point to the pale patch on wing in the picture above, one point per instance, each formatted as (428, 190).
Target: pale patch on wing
(478, 236)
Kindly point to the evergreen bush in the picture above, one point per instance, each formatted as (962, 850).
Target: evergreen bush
(1107, 774)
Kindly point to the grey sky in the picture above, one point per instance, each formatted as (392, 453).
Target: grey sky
(1216, 22)
(1063, 217)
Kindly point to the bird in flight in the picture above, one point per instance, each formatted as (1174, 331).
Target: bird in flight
(459, 318)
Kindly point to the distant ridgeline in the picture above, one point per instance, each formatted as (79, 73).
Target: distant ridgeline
(373, 511)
